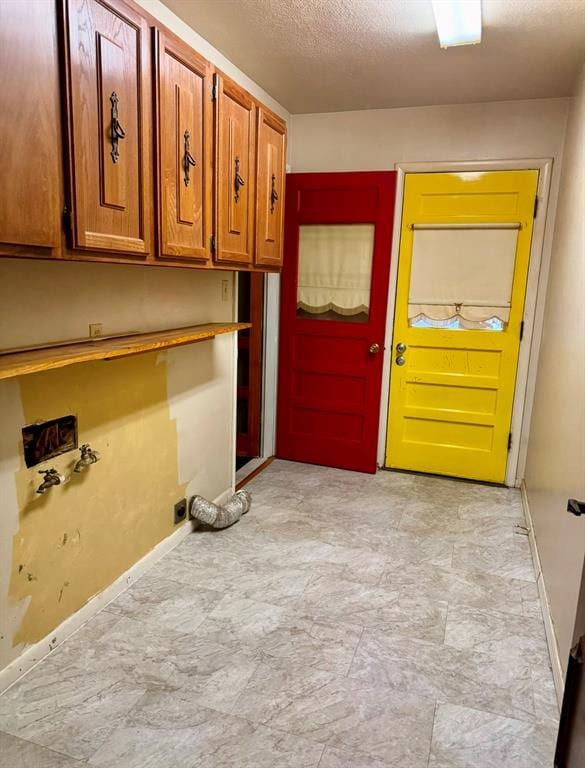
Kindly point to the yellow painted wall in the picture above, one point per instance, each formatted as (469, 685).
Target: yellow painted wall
(164, 425)
(76, 539)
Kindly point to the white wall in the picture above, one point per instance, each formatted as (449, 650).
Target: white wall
(555, 467)
(377, 139)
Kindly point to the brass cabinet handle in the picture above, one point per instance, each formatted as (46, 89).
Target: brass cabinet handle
(374, 348)
(116, 130)
(238, 180)
(188, 159)
(274, 196)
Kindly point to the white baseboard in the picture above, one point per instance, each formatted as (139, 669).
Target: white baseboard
(551, 639)
(32, 655)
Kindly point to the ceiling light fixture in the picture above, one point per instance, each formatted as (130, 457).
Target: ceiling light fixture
(458, 22)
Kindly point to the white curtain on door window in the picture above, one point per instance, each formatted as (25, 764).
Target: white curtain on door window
(335, 267)
(465, 273)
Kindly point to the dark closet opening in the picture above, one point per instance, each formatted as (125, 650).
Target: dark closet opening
(249, 384)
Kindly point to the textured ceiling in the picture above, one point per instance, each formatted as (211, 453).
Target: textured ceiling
(334, 55)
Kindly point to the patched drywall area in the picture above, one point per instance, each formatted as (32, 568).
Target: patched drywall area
(201, 394)
(76, 539)
(164, 424)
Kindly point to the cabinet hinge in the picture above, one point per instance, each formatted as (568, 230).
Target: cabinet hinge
(212, 243)
(67, 220)
(214, 86)
(535, 206)
(510, 441)
(521, 330)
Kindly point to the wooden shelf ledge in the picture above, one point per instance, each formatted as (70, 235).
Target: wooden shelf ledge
(47, 358)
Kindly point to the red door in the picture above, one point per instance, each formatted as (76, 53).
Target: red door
(334, 292)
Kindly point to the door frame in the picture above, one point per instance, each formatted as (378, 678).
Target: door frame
(540, 255)
(269, 375)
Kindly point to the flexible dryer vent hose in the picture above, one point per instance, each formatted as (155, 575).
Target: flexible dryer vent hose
(220, 517)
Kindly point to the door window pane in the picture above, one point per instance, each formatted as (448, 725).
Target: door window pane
(461, 277)
(335, 271)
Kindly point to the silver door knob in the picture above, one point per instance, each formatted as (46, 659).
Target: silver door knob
(401, 348)
(400, 360)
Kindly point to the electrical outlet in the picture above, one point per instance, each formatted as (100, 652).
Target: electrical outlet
(95, 329)
(180, 512)
(225, 290)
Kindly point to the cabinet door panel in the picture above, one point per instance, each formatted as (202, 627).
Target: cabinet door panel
(270, 165)
(235, 173)
(185, 151)
(109, 112)
(30, 142)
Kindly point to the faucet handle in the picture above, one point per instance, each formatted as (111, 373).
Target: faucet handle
(51, 478)
(88, 456)
(49, 472)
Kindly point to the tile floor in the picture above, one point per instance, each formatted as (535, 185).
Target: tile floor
(348, 621)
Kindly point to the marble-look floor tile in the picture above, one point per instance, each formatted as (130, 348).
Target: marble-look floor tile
(17, 753)
(382, 506)
(531, 605)
(278, 587)
(162, 658)
(300, 641)
(70, 710)
(373, 606)
(446, 674)
(546, 704)
(474, 589)
(483, 508)
(427, 519)
(341, 713)
(468, 738)
(165, 603)
(357, 533)
(352, 564)
(337, 758)
(166, 731)
(239, 622)
(403, 548)
(248, 567)
(449, 492)
(498, 633)
(250, 577)
(510, 559)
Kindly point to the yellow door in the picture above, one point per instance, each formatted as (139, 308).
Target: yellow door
(463, 265)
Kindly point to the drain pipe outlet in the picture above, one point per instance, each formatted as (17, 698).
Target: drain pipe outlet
(220, 517)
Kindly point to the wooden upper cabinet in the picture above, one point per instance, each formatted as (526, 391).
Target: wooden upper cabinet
(270, 172)
(109, 108)
(184, 120)
(234, 173)
(30, 140)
